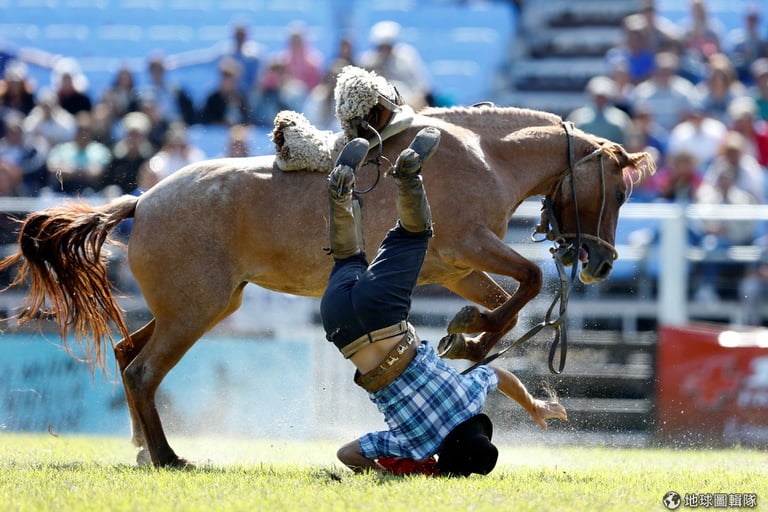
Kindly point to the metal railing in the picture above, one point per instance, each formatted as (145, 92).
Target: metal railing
(672, 302)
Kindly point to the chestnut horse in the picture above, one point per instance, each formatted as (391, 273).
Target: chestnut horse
(201, 235)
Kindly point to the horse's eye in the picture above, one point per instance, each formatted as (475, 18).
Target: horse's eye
(620, 197)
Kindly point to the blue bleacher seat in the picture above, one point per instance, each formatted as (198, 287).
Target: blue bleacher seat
(213, 139)
(461, 43)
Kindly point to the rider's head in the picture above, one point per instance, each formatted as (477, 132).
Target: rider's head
(468, 448)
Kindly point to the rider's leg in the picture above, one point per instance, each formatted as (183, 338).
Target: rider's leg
(412, 205)
(343, 230)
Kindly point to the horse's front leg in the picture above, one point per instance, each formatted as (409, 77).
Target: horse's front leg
(481, 289)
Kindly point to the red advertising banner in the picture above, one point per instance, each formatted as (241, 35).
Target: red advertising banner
(712, 385)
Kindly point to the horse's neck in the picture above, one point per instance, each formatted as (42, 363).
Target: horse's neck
(532, 159)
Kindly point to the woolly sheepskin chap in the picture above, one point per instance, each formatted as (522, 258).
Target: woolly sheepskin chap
(301, 146)
(356, 93)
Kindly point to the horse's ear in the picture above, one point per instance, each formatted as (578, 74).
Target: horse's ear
(642, 163)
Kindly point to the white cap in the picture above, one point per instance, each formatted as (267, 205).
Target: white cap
(602, 86)
(384, 32)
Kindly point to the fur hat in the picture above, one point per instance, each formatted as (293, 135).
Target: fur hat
(357, 91)
(301, 146)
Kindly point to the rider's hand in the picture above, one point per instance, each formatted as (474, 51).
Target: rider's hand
(546, 409)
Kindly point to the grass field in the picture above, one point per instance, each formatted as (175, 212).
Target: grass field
(68, 473)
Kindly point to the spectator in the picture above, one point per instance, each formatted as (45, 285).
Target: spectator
(666, 94)
(50, 121)
(699, 134)
(701, 36)
(744, 119)
(175, 153)
(237, 142)
(661, 34)
(650, 134)
(22, 159)
(130, 153)
(122, 95)
(721, 186)
(679, 180)
(319, 108)
(745, 172)
(744, 45)
(759, 91)
(720, 87)
(302, 62)
(601, 117)
(619, 73)
(398, 62)
(753, 288)
(247, 53)
(226, 105)
(78, 167)
(635, 53)
(16, 91)
(172, 102)
(276, 91)
(345, 55)
(71, 85)
(103, 123)
(148, 106)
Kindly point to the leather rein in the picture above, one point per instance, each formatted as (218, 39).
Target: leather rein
(564, 242)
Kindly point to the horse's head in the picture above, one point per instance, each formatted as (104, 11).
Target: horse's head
(584, 206)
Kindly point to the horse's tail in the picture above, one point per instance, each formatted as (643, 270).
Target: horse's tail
(59, 256)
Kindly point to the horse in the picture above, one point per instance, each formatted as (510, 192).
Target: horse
(205, 232)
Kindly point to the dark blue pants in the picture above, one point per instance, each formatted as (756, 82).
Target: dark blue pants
(361, 298)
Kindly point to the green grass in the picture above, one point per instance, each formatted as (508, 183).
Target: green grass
(69, 473)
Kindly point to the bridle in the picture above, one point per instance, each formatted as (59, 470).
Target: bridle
(564, 243)
(549, 226)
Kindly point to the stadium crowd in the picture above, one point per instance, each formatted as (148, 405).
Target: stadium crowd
(57, 138)
(695, 95)
(692, 92)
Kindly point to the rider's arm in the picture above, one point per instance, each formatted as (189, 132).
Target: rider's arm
(354, 459)
(539, 410)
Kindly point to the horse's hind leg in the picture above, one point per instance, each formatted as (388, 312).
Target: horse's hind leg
(173, 334)
(141, 378)
(125, 353)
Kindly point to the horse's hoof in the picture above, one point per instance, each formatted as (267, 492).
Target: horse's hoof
(143, 458)
(464, 320)
(183, 464)
(177, 463)
(453, 346)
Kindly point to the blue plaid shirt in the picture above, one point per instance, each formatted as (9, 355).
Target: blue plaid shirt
(424, 404)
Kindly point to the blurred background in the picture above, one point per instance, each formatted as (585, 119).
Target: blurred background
(671, 349)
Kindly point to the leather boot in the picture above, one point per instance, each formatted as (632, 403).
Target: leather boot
(341, 182)
(412, 205)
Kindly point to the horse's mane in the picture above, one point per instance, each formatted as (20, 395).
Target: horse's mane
(503, 118)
